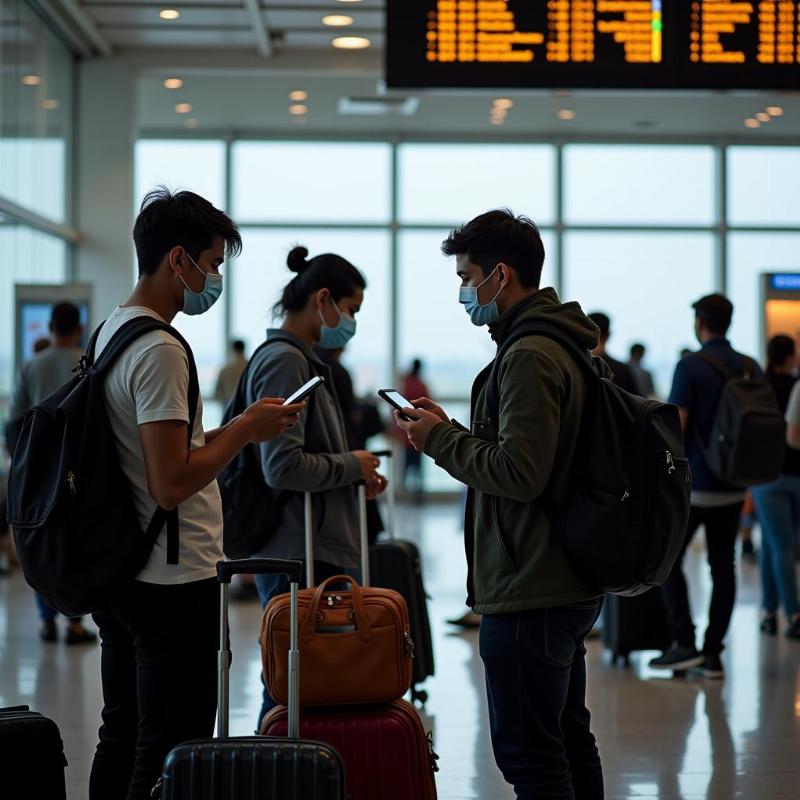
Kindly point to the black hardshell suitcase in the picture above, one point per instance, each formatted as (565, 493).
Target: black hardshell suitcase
(32, 758)
(635, 623)
(396, 564)
(254, 767)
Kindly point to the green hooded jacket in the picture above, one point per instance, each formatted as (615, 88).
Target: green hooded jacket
(514, 469)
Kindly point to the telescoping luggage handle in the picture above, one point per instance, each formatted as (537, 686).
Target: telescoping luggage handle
(390, 491)
(258, 566)
(308, 514)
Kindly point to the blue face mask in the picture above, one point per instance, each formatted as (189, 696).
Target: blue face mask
(479, 314)
(195, 303)
(334, 338)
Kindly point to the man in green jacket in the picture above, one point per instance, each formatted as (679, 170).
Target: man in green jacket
(536, 610)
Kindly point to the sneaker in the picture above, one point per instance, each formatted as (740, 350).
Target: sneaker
(48, 632)
(769, 625)
(678, 658)
(711, 668)
(79, 635)
(793, 631)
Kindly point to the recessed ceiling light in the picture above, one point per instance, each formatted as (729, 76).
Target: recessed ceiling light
(337, 20)
(298, 95)
(351, 42)
(762, 116)
(497, 120)
(50, 105)
(169, 13)
(775, 111)
(298, 110)
(504, 102)
(183, 108)
(566, 114)
(752, 123)
(173, 83)
(32, 80)
(191, 122)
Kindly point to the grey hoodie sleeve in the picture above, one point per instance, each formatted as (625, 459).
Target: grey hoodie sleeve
(285, 464)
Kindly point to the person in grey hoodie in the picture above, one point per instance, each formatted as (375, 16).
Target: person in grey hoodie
(319, 306)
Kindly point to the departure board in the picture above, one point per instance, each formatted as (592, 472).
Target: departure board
(703, 44)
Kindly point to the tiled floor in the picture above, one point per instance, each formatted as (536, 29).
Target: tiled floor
(659, 738)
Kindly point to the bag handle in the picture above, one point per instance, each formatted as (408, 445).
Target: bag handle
(362, 623)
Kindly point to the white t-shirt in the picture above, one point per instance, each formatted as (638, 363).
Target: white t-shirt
(149, 383)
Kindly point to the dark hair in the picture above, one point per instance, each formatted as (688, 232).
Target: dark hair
(65, 319)
(184, 219)
(779, 349)
(715, 311)
(500, 236)
(326, 271)
(603, 321)
(238, 346)
(416, 366)
(637, 350)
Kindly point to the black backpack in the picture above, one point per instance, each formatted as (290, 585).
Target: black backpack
(251, 509)
(748, 436)
(70, 504)
(624, 522)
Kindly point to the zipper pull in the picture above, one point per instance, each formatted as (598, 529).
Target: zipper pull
(333, 599)
(71, 482)
(670, 463)
(409, 644)
(431, 752)
(625, 496)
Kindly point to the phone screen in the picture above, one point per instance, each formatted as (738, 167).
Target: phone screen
(304, 390)
(397, 399)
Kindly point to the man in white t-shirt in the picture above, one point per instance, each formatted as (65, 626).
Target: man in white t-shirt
(160, 637)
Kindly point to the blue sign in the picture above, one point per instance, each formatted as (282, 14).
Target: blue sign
(786, 282)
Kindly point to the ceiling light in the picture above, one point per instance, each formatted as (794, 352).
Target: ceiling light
(762, 116)
(169, 13)
(298, 95)
(337, 20)
(50, 105)
(775, 111)
(173, 83)
(752, 123)
(298, 109)
(183, 108)
(504, 102)
(349, 1)
(351, 43)
(566, 114)
(191, 123)
(32, 80)
(497, 120)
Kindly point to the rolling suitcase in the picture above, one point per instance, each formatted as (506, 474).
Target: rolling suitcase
(635, 623)
(32, 758)
(386, 752)
(396, 564)
(252, 767)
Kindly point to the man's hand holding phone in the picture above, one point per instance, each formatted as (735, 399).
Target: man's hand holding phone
(429, 405)
(268, 418)
(427, 415)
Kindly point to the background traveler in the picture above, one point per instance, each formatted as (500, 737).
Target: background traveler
(229, 375)
(642, 376)
(622, 374)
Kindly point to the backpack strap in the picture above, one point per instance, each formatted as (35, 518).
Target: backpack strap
(747, 365)
(119, 342)
(535, 328)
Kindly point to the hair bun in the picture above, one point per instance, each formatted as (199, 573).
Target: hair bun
(297, 259)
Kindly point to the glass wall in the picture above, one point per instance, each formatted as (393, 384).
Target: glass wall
(635, 230)
(36, 74)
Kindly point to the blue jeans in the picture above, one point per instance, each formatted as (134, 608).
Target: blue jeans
(536, 685)
(270, 586)
(778, 506)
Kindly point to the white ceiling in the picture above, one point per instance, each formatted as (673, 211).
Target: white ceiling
(239, 59)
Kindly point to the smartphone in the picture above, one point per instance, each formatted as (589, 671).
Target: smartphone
(396, 401)
(305, 390)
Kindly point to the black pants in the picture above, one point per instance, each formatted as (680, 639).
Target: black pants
(722, 526)
(159, 667)
(536, 684)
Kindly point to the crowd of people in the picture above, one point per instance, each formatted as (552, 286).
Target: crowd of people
(159, 636)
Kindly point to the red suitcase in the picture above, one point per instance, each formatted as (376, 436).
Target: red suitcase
(386, 752)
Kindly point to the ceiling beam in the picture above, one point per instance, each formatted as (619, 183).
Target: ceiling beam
(77, 42)
(79, 16)
(259, 27)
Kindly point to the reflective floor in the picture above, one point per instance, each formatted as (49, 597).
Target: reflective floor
(659, 738)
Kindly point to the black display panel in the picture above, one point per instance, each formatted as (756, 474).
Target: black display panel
(625, 44)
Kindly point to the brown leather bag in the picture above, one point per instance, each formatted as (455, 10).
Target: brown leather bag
(354, 645)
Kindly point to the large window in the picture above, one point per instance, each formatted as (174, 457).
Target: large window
(634, 230)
